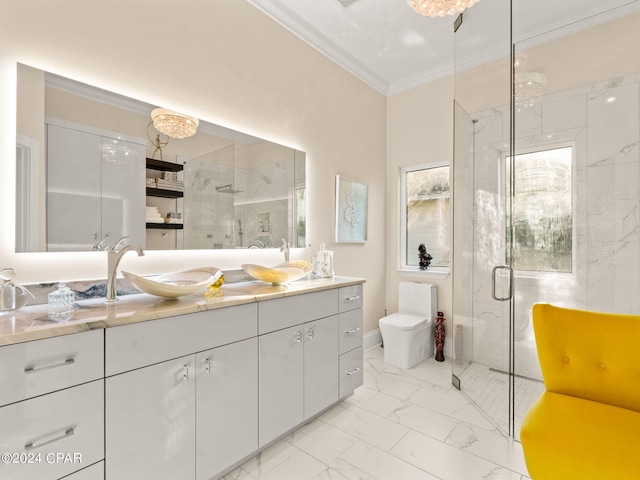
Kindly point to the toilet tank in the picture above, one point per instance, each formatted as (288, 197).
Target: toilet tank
(418, 299)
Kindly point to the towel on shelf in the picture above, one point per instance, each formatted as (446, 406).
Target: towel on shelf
(170, 184)
(152, 215)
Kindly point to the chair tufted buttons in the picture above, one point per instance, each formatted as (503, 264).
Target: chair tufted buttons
(603, 365)
(565, 359)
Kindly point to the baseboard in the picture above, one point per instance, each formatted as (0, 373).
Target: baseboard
(371, 339)
(374, 338)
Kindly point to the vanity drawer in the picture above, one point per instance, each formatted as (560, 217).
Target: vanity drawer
(350, 298)
(42, 366)
(350, 371)
(350, 330)
(53, 435)
(140, 344)
(287, 312)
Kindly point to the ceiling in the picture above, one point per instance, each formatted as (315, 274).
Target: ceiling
(392, 48)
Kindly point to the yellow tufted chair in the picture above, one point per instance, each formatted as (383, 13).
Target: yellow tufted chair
(586, 425)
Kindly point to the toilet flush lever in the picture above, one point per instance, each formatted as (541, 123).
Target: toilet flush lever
(493, 281)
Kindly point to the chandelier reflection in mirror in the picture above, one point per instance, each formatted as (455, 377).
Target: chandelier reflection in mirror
(440, 8)
(528, 86)
(118, 153)
(174, 124)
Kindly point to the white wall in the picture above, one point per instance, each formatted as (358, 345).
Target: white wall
(222, 61)
(419, 131)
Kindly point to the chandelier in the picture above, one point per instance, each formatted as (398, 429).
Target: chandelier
(174, 124)
(528, 86)
(440, 8)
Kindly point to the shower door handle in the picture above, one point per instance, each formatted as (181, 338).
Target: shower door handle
(493, 282)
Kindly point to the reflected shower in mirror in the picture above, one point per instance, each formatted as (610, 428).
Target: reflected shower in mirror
(91, 168)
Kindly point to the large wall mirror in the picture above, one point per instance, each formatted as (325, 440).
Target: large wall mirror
(91, 167)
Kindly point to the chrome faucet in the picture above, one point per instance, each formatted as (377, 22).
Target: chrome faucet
(114, 255)
(285, 248)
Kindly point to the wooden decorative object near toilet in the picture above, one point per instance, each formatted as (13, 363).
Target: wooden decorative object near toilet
(439, 334)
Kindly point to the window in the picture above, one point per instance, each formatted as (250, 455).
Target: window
(425, 215)
(542, 210)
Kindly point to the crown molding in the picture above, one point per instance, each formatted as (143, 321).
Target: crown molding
(421, 78)
(136, 106)
(293, 22)
(97, 94)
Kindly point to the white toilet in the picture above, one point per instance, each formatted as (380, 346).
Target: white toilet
(407, 336)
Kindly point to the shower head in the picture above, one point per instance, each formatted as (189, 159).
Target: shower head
(227, 189)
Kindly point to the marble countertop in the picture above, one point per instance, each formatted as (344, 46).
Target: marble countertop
(33, 322)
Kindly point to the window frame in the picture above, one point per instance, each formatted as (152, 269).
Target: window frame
(403, 267)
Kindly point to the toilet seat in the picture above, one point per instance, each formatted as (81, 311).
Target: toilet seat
(404, 321)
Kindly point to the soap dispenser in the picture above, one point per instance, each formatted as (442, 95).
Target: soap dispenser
(61, 303)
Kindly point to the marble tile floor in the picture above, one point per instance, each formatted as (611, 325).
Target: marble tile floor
(400, 425)
(489, 390)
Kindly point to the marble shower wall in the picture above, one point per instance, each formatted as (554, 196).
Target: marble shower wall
(602, 123)
(208, 213)
(266, 204)
(228, 207)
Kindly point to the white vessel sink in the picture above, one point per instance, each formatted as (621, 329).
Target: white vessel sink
(278, 274)
(174, 285)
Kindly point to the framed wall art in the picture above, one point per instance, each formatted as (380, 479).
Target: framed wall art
(351, 211)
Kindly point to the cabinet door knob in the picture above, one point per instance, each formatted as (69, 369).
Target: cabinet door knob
(298, 336)
(310, 334)
(353, 371)
(34, 369)
(207, 365)
(185, 376)
(351, 299)
(49, 439)
(352, 330)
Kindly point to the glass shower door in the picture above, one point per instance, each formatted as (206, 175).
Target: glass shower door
(482, 266)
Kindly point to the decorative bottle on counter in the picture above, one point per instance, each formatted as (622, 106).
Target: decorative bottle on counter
(324, 266)
(61, 303)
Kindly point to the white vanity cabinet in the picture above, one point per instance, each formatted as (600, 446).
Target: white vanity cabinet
(320, 365)
(226, 406)
(351, 359)
(181, 392)
(150, 417)
(189, 396)
(52, 418)
(34, 368)
(298, 364)
(280, 388)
